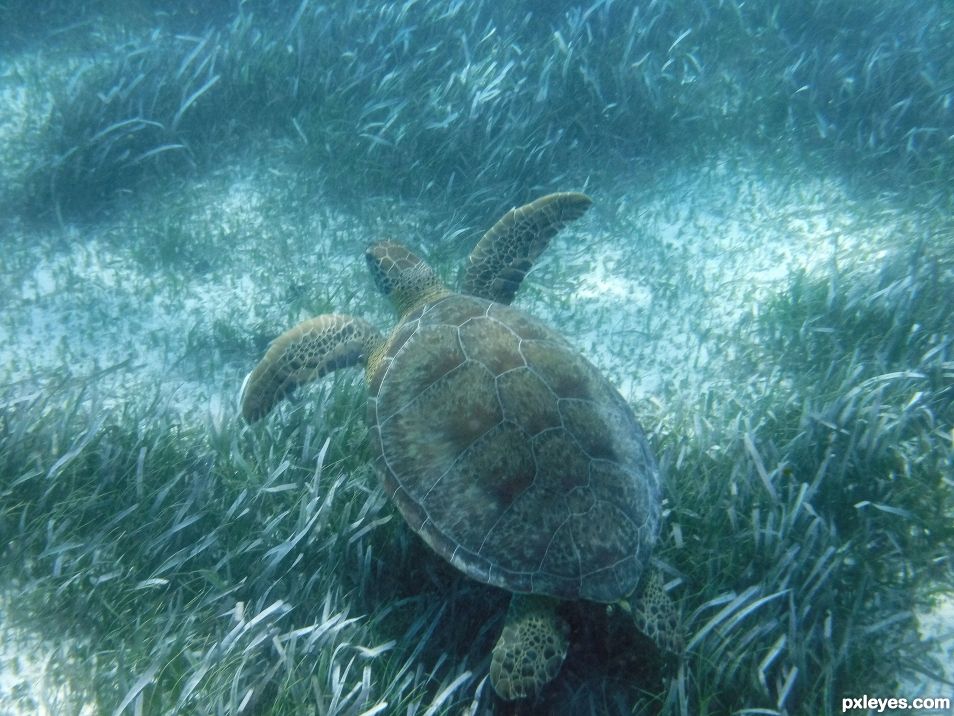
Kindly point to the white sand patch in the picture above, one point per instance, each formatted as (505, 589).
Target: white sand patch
(656, 286)
(166, 301)
(937, 626)
(27, 685)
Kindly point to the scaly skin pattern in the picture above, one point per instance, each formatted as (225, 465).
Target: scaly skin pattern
(655, 614)
(530, 650)
(403, 277)
(502, 257)
(304, 353)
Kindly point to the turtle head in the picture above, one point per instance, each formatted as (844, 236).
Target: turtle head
(402, 276)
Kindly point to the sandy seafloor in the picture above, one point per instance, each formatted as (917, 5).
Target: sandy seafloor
(653, 285)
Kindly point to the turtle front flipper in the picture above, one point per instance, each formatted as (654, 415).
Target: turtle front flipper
(531, 648)
(506, 252)
(655, 613)
(304, 353)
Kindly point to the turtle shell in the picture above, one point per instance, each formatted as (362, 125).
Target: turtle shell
(511, 454)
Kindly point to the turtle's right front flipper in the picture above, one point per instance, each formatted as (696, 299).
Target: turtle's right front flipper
(304, 353)
(497, 265)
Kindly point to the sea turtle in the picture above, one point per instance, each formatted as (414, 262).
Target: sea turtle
(503, 447)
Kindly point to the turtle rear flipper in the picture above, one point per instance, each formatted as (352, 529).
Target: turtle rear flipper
(655, 614)
(506, 252)
(304, 353)
(531, 649)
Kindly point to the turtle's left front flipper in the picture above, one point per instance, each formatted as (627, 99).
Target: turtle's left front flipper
(304, 353)
(497, 265)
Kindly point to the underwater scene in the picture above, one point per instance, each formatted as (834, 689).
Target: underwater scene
(440, 357)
